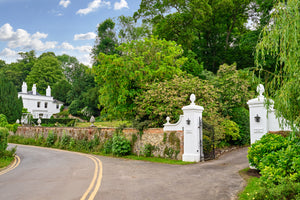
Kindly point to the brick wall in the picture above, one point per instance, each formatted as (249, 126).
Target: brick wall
(167, 144)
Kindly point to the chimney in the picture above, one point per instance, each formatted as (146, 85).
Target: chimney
(34, 89)
(24, 87)
(48, 91)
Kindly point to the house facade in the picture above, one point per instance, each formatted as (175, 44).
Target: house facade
(38, 105)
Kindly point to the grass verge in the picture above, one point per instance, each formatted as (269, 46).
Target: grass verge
(5, 161)
(149, 159)
(104, 124)
(252, 184)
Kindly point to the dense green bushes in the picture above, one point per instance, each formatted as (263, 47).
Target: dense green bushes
(278, 159)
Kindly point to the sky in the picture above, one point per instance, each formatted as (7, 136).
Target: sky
(59, 26)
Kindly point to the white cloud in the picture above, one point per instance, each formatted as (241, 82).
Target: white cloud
(120, 5)
(64, 3)
(92, 7)
(68, 46)
(86, 36)
(6, 32)
(22, 39)
(9, 55)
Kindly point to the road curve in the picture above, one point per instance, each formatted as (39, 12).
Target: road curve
(51, 174)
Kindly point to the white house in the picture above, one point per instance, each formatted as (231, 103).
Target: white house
(38, 105)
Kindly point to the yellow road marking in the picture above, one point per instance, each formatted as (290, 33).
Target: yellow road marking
(15, 164)
(97, 172)
(98, 181)
(93, 181)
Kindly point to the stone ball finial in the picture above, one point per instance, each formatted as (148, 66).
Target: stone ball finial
(260, 89)
(193, 99)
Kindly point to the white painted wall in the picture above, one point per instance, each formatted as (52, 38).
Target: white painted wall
(30, 101)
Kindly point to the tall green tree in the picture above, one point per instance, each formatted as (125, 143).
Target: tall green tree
(46, 71)
(130, 30)
(281, 39)
(208, 28)
(10, 105)
(122, 77)
(106, 40)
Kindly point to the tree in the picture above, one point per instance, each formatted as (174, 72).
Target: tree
(128, 29)
(106, 40)
(10, 105)
(60, 89)
(46, 71)
(281, 39)
(208, 28)
(123, 77)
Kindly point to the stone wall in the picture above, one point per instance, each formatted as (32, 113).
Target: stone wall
(167, 143)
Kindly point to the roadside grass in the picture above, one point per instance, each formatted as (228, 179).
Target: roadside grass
(252, 184)
(149, 159)
(5, 161)
(104, 124)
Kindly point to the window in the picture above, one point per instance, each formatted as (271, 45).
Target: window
(41, 115)
(38, 104)
(57, 106)
(46, 104)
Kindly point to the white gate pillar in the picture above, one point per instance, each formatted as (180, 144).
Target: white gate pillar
(190, 122)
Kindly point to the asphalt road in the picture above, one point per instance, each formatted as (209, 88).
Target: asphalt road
(212, 180)
(49, 174)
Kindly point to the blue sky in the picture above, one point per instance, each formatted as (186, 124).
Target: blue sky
(60, 26)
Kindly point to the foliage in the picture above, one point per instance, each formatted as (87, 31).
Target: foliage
(106, 41)
(282, 165)
(267, 144)
(10, 105)
(234, 87)
(148, 149)
(45, 71)
(60, 89)
(3, 140)
(120, 145)
(3, 121)
(283, 191)
(121, 78)
(51, 139)
(240, 115)
(61, 121)
(65, 141)
(107, 147)
(168, 97)
(231, 131)
(280, 39)
(211, 29)
(130, 31)
(75, 107)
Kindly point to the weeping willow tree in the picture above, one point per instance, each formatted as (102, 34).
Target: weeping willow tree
(280, 40)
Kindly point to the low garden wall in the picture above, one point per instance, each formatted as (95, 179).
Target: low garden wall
(166, 143)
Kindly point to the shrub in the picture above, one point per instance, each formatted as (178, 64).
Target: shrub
(107, 147)
(3, 139)
(283, 191)
(120, 145)
(148, 149)
(231, 131)
(3, 121)
(65, 141)
(282, 165)
(264, 146)
(240, 115)
(51, 138)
